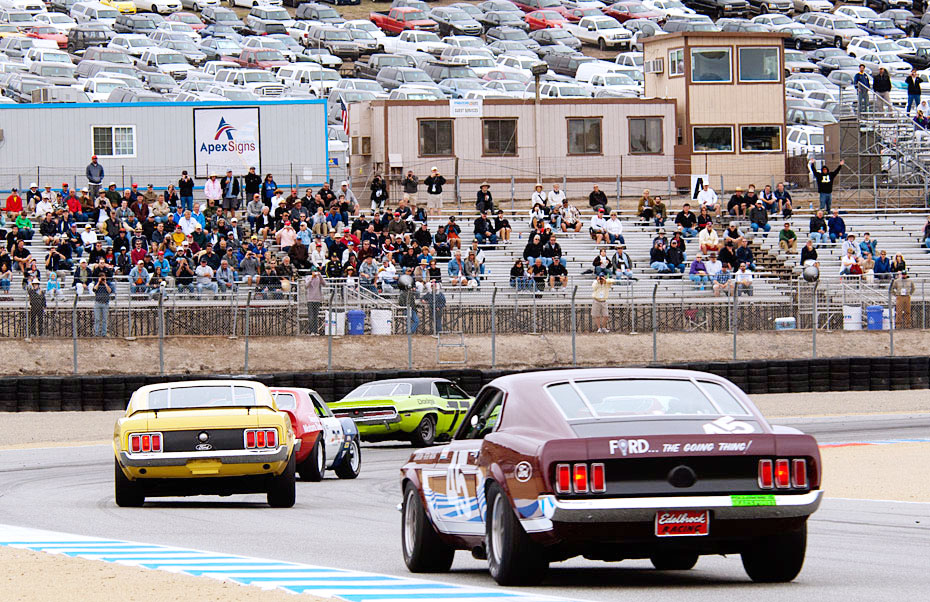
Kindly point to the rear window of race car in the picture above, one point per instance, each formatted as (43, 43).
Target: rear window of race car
(201, 397)
(612, 399)
(380, 391)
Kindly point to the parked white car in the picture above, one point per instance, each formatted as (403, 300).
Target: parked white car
(59, 21)
(805, 141)
(251, 3)
(415, 41)
(94, 12)
(98, 88)
(670, 8)
(163, 7)
(604, 32)
(133, 43)
(309, 77)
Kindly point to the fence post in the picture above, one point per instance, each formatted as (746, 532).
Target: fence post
(655, 325)
(875, 190)
(131, 335)
(923, 305)
(232, 308)
(618, 194)
(735, 318)
(494, 326)
(248, 305)
(329, 331)
(891, 321)
(74, 336)
(814, 321)
(161, 327)
(574, 327)
(513, 191)
(410, 338)
(668, 185)
(564, 185)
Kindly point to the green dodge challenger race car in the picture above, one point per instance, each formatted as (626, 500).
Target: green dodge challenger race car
(407, 409)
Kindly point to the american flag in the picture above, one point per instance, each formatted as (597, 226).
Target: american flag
(345, 116)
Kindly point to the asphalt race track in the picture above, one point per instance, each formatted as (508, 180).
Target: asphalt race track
(857, 550)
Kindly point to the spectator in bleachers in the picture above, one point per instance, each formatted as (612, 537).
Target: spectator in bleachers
(597, 199)
(825, 180)
(738, 202)
(727, 254)
(456, 269)
(787, 239)
(744, 254)
(850, 243)
(818, 229)
(538, 196)
(602, 264)
(674, 257)
(532, 250)
(685, 220)
(139, 279)
(707, 197)
(898, 265)
(600, 293)
(47, 228)
(518, 277)
(658, 258)
(743, 281)
(484, 200)
(184, 276)
(867, 267)
(83, 277)
(558, 275)
(571, 218)
(6, 270)
(867, 245)
(21, 255)
(732, 232)
(537, 216)
(723, 281)
(14, 202)
(661, 211)
(703, 218)
(53, 286)
(598, 227)
(697, 273)
(784, 200)
(472, 270)
(713, 265)
(556, 196)
(622, 263)
(502, 226)
(759, 218)
(484, 230)
(33, 196)
(644, 208)
(769, 202)
(927, 233)
(43, 206)
(849, 263)
(708, 239)
(539, 273)
(836, 227)
(205, 278)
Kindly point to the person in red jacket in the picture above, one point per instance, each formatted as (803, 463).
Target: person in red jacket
(138, 252)
(14, 203)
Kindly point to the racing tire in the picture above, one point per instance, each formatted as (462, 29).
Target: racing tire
(127, 494)
(674, 561)
(282, 492)
(425, 434)
(776, 559)
(313, 468)
(424, 550)
(513, 557)
(351, 463)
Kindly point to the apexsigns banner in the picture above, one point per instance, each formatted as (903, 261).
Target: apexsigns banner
(226, 139)
(466, 108)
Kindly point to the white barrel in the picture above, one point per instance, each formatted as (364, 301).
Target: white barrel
(336, 323)
(785, 323)
(852, 317)
(886, 319)
(382, 321)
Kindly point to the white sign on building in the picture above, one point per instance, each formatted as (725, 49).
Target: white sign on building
(226, 139)
(466, 108)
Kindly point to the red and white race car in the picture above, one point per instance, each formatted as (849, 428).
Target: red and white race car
(612, 464)
(326, 442)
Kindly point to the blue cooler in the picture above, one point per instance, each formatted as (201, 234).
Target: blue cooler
(873, 315)
(356, 318)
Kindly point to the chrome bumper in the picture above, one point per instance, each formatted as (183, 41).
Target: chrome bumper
(224, 456)
(629, 510)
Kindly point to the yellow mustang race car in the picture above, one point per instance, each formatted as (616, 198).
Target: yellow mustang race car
(209, 437)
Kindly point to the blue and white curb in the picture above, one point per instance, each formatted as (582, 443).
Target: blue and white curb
(351, 586)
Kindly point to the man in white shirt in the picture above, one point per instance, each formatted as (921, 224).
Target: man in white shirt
(212, 188)
(351, 199)
(713, 266)
(708, 239)
(387, 275)
(615, 229)
(598, 227)
(88, 237)
(556, 196)
(188, 223)
(44, 206)
(743, 281)
(708, 198)
(205, 278)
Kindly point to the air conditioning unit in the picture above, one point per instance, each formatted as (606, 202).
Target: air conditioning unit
(654, 66)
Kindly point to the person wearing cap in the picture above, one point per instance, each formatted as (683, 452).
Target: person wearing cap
(139, 278)
(33, 196)
(411, 186)
(538, 196)
(205, 278)
(707, 197)
(622, 262)
(103, 292)
(94, 174)
(723, 280)
(600, 294)
(675, 257)
(484, 201)
(14, 202)
(160, 209)
(230, 187)
(708, 239)
(737, 204)
(350, 198)
(597, 199)
(759, 218)
(484, 230)
(658, 259)
(253, 209)
(286, 236)
(902, 288)
(140, 209)
(434, 183)
(571, 218)
(44, 206)
(149, 196)
(598, 227)
(225, 278)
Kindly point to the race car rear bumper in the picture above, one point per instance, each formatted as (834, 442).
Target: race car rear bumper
(723, 507)
(223, 456)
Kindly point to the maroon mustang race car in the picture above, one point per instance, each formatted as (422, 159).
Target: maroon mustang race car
(612, 464)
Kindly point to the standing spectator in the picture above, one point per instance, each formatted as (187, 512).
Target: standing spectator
(408, 301)
(862, 83)
(6, 270)
(350, 199)
(902, 288)
(213, 189)
(411, 185)
(759, 218)
(881, 85)
(94, 174)
(723, 281)
(434, 182)
(269, 188)
(253, 184)
(378, 192)
(787, 239)
(743, 280)
(37, 304)
(597, 199)
(435, 302)
(185, 192)
(313, 287)
(600, 293)
(484, 202)
(818, 228)
(707, 197)
(708, 240)
(698, 272)
(913, 90)
(825, 180)
(685, 220)
(927, 233)
(102, 294)
(230, 187)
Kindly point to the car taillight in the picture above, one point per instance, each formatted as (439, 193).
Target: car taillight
(261, 438)
(145, 443)
(799, 473)
(766, 480)
(598, 478)
(580, 478)
(782, 473)
(563, 478)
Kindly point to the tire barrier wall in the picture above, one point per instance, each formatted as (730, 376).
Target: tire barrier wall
(60, 393)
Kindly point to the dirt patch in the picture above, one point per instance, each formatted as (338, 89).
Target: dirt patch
(782, 405)
(52, 429)
(899, 471)
(221, 355)
(39, 577)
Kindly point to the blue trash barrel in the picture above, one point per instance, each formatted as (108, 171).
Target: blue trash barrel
(356, 318)
(873, 314)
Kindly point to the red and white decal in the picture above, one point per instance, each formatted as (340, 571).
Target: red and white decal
(682, 523)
